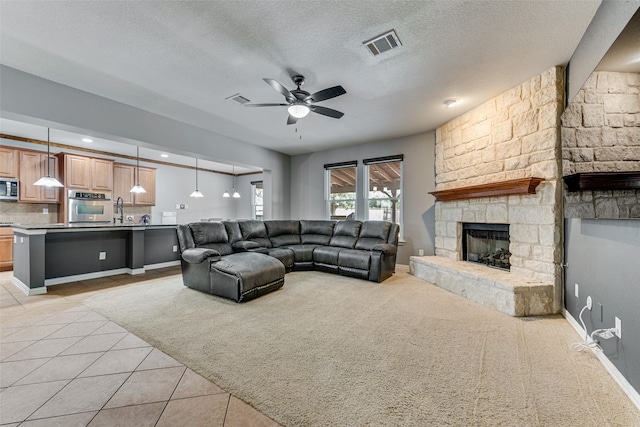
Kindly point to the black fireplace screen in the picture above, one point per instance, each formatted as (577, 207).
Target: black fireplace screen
(486, 244)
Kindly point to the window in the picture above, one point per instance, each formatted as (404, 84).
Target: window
(340, 188)
(383, 191)
(257, 203)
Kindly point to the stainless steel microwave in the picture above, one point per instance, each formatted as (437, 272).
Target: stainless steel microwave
(9, 189)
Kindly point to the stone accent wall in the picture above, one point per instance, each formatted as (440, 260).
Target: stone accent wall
(514, 135)
(601, 133)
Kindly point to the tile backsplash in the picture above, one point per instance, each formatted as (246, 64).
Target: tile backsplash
(29, 213)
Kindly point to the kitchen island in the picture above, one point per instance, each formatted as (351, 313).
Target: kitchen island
(51, 254)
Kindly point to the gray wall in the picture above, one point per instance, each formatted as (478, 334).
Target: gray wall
(603, 257)
(31, 99)
(307, 186)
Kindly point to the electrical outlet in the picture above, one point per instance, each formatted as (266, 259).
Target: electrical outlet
(129, 217)
(576, 290)
(175, 248)
(45, 211)
(420, 252)
(589, 303)
(618, 328)
(102, 256)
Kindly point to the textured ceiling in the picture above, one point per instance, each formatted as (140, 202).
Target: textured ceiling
(181, 59)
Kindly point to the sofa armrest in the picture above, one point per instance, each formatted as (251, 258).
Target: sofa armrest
(197, 255)
(386, 248)
(244, 246)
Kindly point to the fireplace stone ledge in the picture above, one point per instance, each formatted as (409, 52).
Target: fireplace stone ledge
(506, 292)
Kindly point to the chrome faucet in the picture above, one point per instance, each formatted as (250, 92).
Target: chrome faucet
(120, 207)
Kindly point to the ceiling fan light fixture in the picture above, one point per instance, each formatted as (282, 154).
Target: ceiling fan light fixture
(298, 110)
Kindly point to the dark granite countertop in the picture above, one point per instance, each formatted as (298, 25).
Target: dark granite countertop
(80, 227)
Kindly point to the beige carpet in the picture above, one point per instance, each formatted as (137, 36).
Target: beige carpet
(328, 350)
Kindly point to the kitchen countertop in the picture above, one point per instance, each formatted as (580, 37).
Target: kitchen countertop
(79, 227)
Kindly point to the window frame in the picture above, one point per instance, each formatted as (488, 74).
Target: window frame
(328, 168)
(254, 205)
(366, 184)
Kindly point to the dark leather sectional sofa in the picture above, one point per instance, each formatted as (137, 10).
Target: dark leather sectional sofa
(244, 259)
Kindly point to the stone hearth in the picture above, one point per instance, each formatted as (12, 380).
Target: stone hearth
(506, 141)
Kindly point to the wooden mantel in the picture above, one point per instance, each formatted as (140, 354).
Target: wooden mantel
(496, 189)
(603, 181)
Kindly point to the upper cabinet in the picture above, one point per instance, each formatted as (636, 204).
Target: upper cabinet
(33, 166)
(87, 173)
(124, 177)
(8, 162)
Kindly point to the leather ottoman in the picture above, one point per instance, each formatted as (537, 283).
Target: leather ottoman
(245, 276)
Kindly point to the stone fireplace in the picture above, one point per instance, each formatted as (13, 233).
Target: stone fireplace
(486, 244)
(500, 163)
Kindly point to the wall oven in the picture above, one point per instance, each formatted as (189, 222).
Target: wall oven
(9, 189)
(87, 207)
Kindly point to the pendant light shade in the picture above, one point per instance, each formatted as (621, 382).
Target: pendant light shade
(48, 180)
(234, 193)
(137, 188)
(196, 193)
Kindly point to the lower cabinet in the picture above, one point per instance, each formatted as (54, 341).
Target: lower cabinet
(6, 248)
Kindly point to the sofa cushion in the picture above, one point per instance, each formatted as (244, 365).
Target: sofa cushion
(285, 255)
(283, 233)
(345, 234)
(211, 235)
(303, 253)
(352, 258)
(326, 255)
(233, 231)
(372, 234)
(316, 232)
(185, 238)
(256, 231)
(208, 232)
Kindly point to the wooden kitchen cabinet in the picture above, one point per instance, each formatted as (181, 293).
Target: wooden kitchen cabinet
(122, 182)
(87, 173)
(33, 166)
(9, 162)
(147, 180)
(6, 248)
(124, 179)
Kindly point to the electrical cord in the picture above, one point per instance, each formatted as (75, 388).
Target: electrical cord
(589, 341)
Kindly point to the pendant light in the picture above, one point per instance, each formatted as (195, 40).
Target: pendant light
(48, 180)
(196, 193)
(235, 195)
(137, 188)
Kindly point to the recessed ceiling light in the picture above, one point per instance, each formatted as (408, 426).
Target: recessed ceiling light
(87, 140)
(164, 155)
(451, 102)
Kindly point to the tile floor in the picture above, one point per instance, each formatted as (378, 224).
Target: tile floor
(62, 364)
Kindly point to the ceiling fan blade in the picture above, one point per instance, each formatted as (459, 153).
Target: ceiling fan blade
(283, 90)
(264, 105)
(291, 120)
(329, 93)
(326, 111)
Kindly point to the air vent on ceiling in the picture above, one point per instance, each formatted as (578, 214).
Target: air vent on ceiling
(383, 43)
(238, 98)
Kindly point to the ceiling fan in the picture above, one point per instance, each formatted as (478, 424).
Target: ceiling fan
(300, 102)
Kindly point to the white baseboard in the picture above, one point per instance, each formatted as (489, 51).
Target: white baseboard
(86, 276)
(162, 265)
(610, 367)
(27, 290)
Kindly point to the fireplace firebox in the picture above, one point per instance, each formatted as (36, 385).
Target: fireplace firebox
(486, 244)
